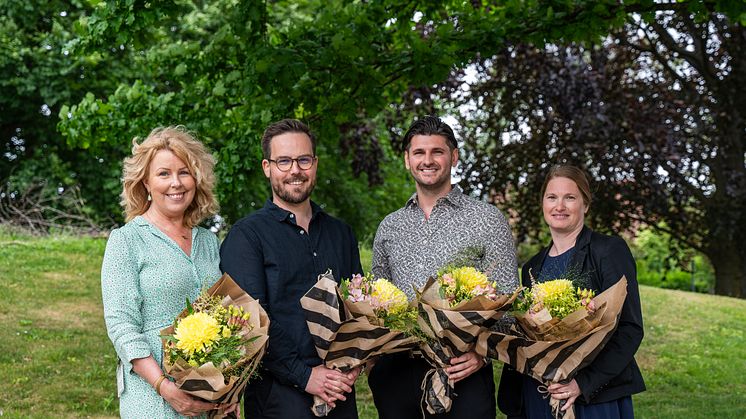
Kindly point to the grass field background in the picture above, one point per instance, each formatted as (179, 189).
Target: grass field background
(56, 360)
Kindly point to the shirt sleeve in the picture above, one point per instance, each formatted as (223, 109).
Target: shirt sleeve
(499, 257)
(241, 257)
(619, 351)
(122, 300)
(380, 264)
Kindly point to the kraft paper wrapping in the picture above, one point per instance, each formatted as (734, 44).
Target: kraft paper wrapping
(346, 334)
(206, 381)
(455, 331)
(564, 346)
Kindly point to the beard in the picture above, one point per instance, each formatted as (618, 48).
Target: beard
(433, 185)
(293, 194)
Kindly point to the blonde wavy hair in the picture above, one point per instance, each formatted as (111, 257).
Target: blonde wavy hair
(186, 147)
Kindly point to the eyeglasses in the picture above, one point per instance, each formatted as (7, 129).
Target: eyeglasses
(286, 163)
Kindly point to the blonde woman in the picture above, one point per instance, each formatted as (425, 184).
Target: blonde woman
(154, 262)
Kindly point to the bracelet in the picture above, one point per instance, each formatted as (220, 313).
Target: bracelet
(158, 382)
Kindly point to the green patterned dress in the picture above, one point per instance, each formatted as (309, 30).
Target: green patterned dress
(145, 280)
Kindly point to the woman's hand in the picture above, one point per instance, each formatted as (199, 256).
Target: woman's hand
(185, 404)
(568, 392)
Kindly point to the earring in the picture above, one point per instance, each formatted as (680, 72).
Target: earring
(150, 198)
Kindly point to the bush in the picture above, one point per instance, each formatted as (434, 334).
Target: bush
(660, 263)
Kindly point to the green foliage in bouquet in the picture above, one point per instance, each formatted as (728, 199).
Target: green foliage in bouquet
(466, 257)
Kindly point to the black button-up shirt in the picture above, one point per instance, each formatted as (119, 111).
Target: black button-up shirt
(277, 262)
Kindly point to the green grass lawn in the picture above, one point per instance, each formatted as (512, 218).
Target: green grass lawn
(56, 360)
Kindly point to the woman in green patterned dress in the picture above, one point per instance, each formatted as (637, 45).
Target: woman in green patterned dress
(155, 262)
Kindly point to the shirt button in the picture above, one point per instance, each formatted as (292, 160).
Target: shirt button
(314, 254)
(302, 232)
(292, 215)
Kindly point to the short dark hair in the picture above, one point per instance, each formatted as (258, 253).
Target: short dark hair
(429, 125)
(283, 127)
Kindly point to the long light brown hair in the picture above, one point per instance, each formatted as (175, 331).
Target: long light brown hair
(186, 147)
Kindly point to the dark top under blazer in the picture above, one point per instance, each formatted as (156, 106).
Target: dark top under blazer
(277, 262)
(614, 373)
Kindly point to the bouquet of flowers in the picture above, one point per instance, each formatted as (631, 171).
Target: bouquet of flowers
(555, 309)
(209, 333)
(459, 284)
(388, 303)
(455, 307)
(357, 321)
(553, 350)
(216, 343)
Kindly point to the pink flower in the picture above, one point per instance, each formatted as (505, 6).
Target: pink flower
(356, 295)
(486, 290)
(356, 281)
(448, 279)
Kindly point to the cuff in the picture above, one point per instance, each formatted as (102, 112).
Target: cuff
(301, 378)
(132, 351)
(586, 393)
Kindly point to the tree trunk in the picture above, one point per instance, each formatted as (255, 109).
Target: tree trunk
(729, 261)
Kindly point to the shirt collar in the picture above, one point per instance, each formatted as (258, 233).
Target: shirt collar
(281, 214)
(454, 198)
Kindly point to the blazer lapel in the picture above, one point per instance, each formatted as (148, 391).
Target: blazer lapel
(582, 248)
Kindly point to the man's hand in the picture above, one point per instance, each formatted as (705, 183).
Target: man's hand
(351, 376)
(328, 384)
(464, 366)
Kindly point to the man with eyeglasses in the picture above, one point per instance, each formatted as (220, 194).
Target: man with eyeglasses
(276, 254)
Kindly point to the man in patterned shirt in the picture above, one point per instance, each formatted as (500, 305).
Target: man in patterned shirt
(435, 224)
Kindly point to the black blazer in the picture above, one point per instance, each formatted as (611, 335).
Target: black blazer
(614, 373)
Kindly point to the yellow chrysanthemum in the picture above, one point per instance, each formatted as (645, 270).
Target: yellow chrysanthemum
(469, 278)
(553, 288)
(387, 296)
(557, 296)
(196, 332)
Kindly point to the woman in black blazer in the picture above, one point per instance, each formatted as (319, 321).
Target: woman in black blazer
(602, 389)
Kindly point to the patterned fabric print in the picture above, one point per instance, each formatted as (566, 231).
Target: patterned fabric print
(555, 267)
(145, 280)
(409, 248)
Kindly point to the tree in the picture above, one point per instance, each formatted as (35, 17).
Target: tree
(38, 75)
(228, 68)
(655, 114)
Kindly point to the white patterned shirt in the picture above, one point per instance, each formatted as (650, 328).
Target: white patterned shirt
(409, 248)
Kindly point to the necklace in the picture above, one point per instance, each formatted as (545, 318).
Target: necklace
(159, 227)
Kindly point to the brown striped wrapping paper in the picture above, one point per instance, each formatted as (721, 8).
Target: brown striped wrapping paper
(565, 346)
(455, 331)
(206, 381)
(346, 334)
